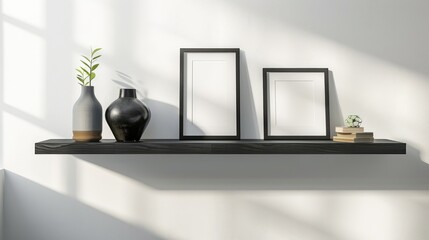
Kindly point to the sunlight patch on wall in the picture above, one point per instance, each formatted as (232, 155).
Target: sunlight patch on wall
(379, 215)
(24, 71)
(32, 12)
(327, 215)
(106, 190)
(92, 26)
(20, 133)
(161, 212)
(293, 215)
(130, 201)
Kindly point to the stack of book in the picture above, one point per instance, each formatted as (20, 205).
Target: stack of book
(353, 135)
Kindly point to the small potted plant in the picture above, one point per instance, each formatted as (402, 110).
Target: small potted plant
(353, 121)
(87, 111)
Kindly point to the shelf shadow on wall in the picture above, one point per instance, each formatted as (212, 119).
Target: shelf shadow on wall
(85, 222)
(271, 172)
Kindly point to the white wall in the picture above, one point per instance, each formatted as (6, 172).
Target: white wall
(377, 52)
(1, 126)
(1, 202)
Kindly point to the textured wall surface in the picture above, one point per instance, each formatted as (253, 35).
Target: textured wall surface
(377, 54)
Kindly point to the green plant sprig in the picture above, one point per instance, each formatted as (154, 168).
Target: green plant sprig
(85, 73)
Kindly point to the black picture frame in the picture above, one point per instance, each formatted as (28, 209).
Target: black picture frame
(183, 118)
(267, 111)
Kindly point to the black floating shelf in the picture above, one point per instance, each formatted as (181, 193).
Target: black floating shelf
(108, 146)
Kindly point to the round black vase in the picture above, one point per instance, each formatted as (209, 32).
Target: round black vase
(127, 116)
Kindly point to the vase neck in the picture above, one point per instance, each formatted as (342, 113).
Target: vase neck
(87, 90)
(127, 92)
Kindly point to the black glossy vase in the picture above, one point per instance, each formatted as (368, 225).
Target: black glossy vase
(127, 116)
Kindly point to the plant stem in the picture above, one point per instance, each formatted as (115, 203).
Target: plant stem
(90, 68)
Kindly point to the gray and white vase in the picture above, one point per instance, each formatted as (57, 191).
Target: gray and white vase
(87, 117)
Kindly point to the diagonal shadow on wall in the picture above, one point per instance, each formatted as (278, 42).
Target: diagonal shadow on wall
(396, 36)
(71, 218)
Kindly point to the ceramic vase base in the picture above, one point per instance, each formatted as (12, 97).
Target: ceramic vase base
(87, 136)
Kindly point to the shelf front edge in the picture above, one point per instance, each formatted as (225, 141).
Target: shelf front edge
(67, 146)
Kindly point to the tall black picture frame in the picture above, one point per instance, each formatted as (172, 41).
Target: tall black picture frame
(209, 94)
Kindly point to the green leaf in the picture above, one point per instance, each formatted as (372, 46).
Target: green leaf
(84, 70)
(80, 71)
(86, 58)
(94, 67)
(96, 57)
(92, 76)
(95, 50)
(86, 64)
